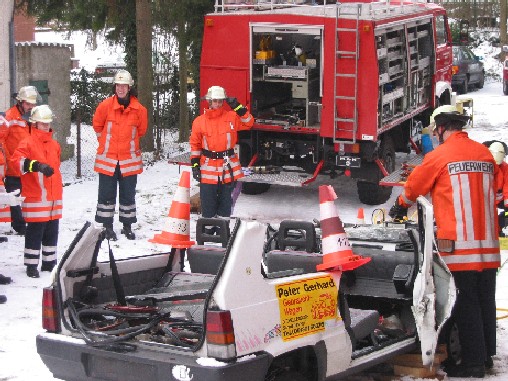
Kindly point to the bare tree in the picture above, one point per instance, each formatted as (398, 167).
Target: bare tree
(144, 65)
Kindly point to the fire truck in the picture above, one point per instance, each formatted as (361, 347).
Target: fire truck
(336, 88)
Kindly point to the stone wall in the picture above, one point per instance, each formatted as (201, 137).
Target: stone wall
(6, 7)
(37, 63)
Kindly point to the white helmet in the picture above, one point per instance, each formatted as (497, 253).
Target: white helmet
(28, 94)
(446, 113)
(497, 150)
(215, 92)
(41, 114)
(123, 77)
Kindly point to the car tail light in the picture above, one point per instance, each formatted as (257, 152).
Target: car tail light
(220, 335)
(50, 315)
(455, 69)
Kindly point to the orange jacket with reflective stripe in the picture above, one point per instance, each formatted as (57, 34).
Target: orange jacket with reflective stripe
(43, 195)
(118, 131)
(18, 130)
(216, 130)
(461, 176)
(5, 210)
(504, 188)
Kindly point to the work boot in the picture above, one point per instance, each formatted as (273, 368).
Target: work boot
(3, 299)
(5, 279)
(465, 371)
(31, 271)
(3, 239)
(127, 231)
(47, 266)
(110, 233)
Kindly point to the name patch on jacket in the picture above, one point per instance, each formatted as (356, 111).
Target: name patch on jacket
(469, 167)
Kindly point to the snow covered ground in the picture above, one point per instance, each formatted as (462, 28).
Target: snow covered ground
(20, 317)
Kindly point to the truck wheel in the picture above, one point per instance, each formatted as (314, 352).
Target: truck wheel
(254, 188)
(505, 87)
(372, 193)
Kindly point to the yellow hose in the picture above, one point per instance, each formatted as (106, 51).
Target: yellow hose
(503, 316)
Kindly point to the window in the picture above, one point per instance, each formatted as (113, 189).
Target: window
(441, 30)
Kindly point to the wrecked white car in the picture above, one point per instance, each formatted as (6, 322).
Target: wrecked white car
(251, 308)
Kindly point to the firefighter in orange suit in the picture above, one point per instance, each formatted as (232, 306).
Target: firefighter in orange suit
(461, 177)
(214, 162)
(499, 150)
(17, 116)
(38, 159)
(119, 122)
(5, 213)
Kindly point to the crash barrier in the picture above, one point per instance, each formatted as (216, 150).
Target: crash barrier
(206, 257)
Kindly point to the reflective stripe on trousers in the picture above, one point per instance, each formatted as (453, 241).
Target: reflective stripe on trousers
(41, 235)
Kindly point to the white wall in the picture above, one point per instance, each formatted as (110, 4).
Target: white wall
(6, 9)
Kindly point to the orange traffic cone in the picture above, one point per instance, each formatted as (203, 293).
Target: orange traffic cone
(360, 219)
(176, 230)
(336, 249)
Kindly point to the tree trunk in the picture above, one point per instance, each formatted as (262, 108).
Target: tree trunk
(502, 21)
(184, 114)
(144, 65)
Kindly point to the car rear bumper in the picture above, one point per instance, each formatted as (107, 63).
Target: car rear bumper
(72, 359)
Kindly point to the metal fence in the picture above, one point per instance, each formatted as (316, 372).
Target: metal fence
(89, 89)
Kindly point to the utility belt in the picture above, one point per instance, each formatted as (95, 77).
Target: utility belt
(218, 154)
(445, 245)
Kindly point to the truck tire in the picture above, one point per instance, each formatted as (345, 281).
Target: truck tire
(371, 193)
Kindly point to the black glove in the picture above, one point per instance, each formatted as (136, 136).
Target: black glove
(196, 169)
(236, 106)
(398, 212)
(35, 166)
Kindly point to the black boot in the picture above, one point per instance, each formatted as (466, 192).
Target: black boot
(31, 271)
(47, 266)
(5, 279)
(3, 299)
(127, 231)
(466, 371)
(110, 233)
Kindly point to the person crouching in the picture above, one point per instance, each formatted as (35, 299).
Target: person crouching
(38, 157)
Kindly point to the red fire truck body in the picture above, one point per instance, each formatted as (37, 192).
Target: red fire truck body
(336, 88)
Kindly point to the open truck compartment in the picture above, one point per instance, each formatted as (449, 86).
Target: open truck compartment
(254, 304)
(286, 78)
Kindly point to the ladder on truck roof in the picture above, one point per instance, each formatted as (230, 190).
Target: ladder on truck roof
(349, 94)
